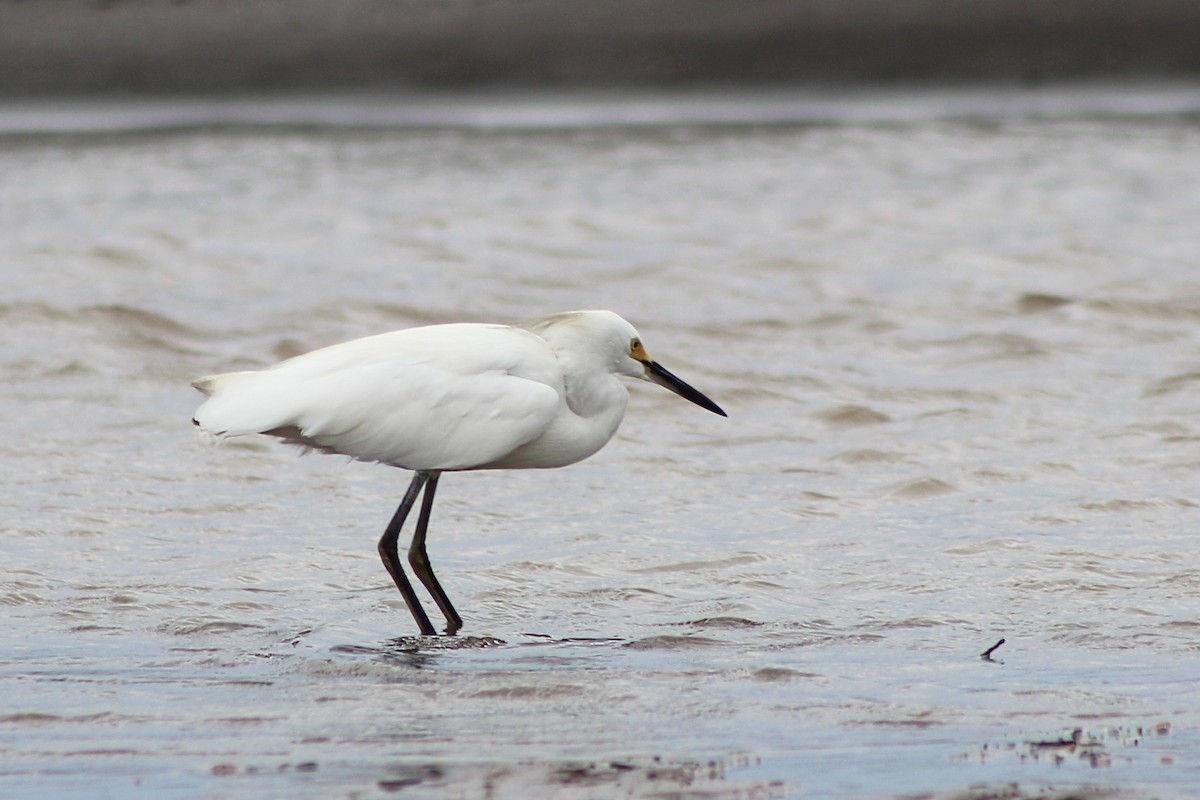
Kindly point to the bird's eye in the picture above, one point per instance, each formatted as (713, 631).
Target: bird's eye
(634, 346)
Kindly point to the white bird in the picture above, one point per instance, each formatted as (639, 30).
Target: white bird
(441, 398)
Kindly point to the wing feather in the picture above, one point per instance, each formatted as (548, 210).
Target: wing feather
(443, 397)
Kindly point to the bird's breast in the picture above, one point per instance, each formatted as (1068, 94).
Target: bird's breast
(570, 436)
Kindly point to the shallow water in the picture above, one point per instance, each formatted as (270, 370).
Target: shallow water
(959, 358)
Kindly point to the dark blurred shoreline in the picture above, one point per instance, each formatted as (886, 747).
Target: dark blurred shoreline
(51, 47)
(582, 108)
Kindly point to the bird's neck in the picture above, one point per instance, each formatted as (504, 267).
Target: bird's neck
(593, 393)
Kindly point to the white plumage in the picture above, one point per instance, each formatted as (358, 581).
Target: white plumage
(447, 397)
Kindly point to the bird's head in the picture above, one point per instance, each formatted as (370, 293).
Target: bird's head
(648, 369)
(602, 340)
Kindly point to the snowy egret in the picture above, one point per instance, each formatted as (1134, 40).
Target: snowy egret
(443, 398)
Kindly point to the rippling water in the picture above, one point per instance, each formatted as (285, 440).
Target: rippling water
(960, 361)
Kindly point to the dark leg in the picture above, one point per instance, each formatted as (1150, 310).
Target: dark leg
(420, 559)
(389, 551)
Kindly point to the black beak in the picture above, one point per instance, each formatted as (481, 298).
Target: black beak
(658, 373)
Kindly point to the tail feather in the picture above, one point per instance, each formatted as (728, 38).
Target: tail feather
(208, 384)
(241, 403)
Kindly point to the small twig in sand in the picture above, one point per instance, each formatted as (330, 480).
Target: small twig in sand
(986, 655)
